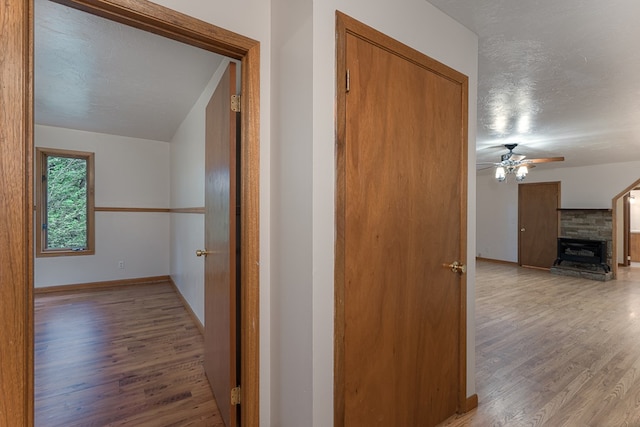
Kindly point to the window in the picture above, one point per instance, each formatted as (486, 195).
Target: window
(64, 205)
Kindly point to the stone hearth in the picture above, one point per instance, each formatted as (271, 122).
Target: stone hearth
(581, 270)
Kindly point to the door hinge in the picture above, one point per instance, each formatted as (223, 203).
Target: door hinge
(348, 81)
(235, 103)
(235, 396)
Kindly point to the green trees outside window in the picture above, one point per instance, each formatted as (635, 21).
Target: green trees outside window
(65, 205)
(66, 189)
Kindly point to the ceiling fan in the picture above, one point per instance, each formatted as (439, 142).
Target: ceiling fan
(518, 164)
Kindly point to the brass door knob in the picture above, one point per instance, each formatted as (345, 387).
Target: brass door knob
(201, 252)
(456, 267)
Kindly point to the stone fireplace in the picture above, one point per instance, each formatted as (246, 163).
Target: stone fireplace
(586, 224)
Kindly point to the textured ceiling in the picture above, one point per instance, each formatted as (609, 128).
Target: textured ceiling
(101, 76)
(560, 78)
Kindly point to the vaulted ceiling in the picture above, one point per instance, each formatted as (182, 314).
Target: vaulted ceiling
(560, 78)
(98, 75)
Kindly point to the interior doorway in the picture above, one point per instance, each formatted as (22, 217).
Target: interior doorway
(626, 230)
(632, 227)
(16, 176)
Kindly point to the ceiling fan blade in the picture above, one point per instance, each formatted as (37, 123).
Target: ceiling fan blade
(546, 160)
(480, 167)
(517, 157)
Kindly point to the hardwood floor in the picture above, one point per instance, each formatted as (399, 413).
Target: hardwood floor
(119, 357)
(555, 351)
(550, 351)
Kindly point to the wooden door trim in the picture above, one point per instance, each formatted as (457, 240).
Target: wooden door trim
(16, 178)
(16, 213)
(347, 25)
(626, 231)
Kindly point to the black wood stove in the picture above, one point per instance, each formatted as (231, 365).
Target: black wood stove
(583, 251)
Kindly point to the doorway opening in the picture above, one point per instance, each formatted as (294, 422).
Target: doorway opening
(16, 269)
(626, 232)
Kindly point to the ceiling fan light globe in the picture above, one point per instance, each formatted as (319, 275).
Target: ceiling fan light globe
(522, 171)
(501, 175)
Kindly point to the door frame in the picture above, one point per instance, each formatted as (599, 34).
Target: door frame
(626, 231)
(16, 186)
(347, 25)
(614, 226)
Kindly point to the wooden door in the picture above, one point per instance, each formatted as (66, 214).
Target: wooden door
(634, 247)
(400, 217)
(538, 223)
(220, 239)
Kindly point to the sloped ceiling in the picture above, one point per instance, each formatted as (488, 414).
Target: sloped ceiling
(98, 75)
(560, 78)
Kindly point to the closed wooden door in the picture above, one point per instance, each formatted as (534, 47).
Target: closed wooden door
(634, 247)
(538, 223)
(401, 217)
(220, 337)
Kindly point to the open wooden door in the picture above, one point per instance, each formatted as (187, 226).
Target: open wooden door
(401, 234)
(221, 278)
(538, 205)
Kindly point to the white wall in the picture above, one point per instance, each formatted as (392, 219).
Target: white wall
(634, 209)
(580, 187)
(291, 209)
(497, 213)
(129, 172)
(251, 18)
(187, 191)
(305, 194)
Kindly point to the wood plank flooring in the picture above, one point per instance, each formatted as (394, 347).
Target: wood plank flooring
(555, 351)
(119, 357)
